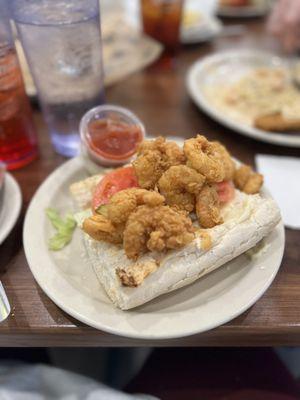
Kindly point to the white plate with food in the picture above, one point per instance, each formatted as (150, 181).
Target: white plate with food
(141, 249)
(198, 22)
(243, 8)
(250, 92)
(198, 27)
(10, 205)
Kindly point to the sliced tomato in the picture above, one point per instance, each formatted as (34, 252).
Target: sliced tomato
(115, 181)
(225, 191)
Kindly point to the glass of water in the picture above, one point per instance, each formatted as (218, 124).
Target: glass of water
(62, 44)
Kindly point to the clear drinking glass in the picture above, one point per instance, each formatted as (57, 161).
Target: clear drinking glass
(62, 44)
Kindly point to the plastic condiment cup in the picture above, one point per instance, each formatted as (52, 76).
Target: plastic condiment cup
(105, 112)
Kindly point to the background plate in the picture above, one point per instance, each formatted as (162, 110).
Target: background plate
(10, 210)
(68, 279)
(231, 65)
(256, 10)
(200, 31)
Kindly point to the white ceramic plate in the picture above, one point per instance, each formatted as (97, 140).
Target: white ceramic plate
(69, 280)
(202, 29)
(198, 23)
(10, 210)
(259, 9)
(227, 67)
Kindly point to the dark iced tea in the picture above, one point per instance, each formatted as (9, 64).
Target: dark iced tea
(161, 20)
(18, 144)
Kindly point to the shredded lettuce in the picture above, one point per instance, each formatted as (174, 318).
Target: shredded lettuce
(81, 216)
(64, 228)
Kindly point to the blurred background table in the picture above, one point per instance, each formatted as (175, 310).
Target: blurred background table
(160, 99)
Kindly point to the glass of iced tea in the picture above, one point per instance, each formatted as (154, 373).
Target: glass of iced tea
(161, 20)
(18, 144)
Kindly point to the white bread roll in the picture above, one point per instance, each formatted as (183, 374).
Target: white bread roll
(247, 220)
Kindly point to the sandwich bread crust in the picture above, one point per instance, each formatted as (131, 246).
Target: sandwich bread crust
(247, 220)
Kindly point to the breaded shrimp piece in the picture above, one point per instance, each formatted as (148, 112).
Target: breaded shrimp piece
(242, 175)
(227, 161)
(205, 157)
(179, 185)
(156, 229)
(100, 227)
(155, 157)
(148, 169)
(123, 203)
(172, 154)
(254, 184)
(248, 181)
(170, 151)
(208, 207)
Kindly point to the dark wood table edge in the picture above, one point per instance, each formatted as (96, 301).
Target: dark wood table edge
(89, 337)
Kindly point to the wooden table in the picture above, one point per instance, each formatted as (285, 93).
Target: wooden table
(160, 99)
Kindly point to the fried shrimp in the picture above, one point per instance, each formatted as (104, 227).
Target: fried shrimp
(225, 158)
(148, 169)
(208, 207)
(179, 185)
(170, 152)
(156, 229)
(205, 157)
(248, 181)
(155, 157)
(101, 228)
(123, 203)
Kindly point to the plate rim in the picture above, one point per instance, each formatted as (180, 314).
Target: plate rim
(103, 326)
(279, 139)
(15, 211)
(243, 12)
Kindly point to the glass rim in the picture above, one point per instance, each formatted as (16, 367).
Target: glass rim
(32, 20)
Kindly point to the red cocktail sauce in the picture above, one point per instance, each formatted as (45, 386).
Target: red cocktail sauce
(113, 140)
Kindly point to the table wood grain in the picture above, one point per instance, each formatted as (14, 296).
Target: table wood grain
(160, 99)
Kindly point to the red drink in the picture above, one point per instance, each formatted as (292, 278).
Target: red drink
(18, 144)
